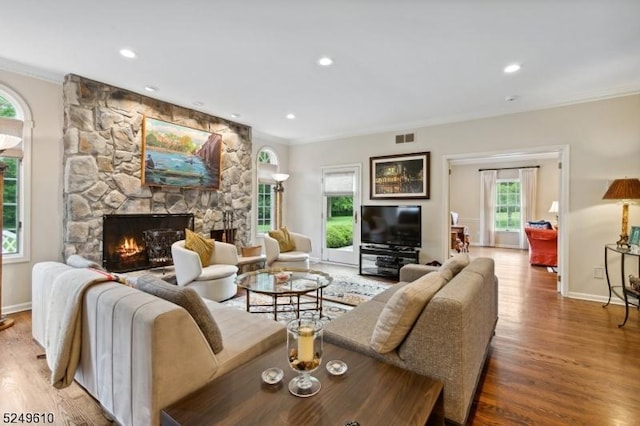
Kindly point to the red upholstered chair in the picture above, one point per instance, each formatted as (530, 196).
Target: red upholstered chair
(543, 246)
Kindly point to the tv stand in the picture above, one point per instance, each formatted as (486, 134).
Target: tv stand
(386, 261)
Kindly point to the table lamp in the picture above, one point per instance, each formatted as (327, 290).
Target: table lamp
(625, 190)
(10, 136)
(554, 209)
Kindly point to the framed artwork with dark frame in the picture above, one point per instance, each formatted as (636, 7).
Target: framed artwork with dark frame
(175, 155)
(405, 176)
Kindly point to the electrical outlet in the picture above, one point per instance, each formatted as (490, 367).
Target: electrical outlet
(598, 272)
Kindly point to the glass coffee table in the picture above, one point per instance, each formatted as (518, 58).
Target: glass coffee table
(286, 285)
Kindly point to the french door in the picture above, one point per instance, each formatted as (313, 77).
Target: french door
(340, 216)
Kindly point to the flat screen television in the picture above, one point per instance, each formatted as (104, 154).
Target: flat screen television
(392, 225)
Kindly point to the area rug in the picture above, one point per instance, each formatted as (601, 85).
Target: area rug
(339, 297)
(353, 290)
(330, 310)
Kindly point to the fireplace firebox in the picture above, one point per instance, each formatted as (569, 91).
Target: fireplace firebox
(132, 242)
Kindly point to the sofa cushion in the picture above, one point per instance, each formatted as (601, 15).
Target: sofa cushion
(402, 309)
(214, 272)
(188, 299)
(203, 246)
(456, 263)
(282, 236)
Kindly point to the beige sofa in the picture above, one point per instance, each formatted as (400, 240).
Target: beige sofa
(140, 353)
(449, 340)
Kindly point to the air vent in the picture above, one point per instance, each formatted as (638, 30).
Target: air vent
(409, 137)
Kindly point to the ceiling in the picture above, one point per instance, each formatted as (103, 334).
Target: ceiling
(398, 65)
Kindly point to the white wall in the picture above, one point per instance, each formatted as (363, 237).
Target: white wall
(45, 101)
(604, 143)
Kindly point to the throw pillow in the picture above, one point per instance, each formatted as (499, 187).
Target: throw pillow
(189, 300)
(540, 224)
(456, 263)
(283, 238)
(203, 246)
(402, 310)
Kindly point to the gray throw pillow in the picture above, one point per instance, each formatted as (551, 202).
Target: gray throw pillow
(189, 300)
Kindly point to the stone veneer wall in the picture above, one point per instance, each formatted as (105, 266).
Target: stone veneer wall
(102, 165)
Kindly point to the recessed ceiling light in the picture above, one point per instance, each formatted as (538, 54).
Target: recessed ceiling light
(511, 68)
(151, 89)
(198, 103)
(128, 53)
(325, 61)
(510, 98)
(291, 116)
(235, 115)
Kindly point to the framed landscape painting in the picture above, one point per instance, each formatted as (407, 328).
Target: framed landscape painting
(403, 176)
(175, 155)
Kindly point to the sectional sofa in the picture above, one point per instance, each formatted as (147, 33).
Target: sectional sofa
(140, 352)
(448, 336)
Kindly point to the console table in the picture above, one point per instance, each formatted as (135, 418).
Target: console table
(386, 261)
(620, 287)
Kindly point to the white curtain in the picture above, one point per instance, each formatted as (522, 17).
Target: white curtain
(528, 190)
(487, 207)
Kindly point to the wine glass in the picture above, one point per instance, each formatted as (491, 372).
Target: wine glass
(304, 353)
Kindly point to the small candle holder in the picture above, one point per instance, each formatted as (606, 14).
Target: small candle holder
(304, 353)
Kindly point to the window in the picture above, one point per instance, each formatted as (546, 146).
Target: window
(11, 235)
(267, 166)
(508, 205)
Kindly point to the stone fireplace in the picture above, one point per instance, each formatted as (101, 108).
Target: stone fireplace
(102, 166)
(141, 241)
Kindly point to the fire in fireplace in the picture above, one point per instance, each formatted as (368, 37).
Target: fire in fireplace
(125, 248)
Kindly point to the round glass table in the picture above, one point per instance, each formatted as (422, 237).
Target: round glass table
(285, 287)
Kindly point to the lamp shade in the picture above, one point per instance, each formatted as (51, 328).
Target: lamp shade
(280, 177)
(10, 133)
(623, 189)
(554, 207)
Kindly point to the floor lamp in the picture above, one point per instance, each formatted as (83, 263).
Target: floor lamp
(10, 136)
(279, 190)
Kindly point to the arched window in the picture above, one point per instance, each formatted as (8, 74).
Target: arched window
(14, 192)
(267, 165)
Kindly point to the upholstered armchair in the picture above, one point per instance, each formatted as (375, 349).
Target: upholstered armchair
(296, 258)
(543, 246)
(216, 281)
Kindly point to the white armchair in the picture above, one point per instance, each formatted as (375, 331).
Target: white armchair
(216, 281)
(298, 258)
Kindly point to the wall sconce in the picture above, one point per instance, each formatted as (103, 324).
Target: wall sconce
(279, 190)
(625, 190)
(10, 136)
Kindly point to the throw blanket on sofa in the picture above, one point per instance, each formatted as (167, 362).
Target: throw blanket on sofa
(63, 332)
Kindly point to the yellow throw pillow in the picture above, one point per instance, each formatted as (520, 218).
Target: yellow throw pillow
(199, 244)
(283, 238)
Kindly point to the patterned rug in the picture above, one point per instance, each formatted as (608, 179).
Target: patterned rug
(340, 296)
(353, 290)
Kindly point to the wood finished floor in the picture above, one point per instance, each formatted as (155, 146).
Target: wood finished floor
(553, 361)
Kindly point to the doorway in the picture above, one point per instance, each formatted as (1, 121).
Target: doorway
(340, 210)
(559, 153)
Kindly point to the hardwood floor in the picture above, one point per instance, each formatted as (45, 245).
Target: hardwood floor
(553, 361)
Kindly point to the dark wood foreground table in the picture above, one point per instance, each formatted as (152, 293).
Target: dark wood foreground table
(370, 392)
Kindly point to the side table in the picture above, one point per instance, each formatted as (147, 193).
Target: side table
(623, 290)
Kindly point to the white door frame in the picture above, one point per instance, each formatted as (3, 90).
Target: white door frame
(357, 202)
(563, 152)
